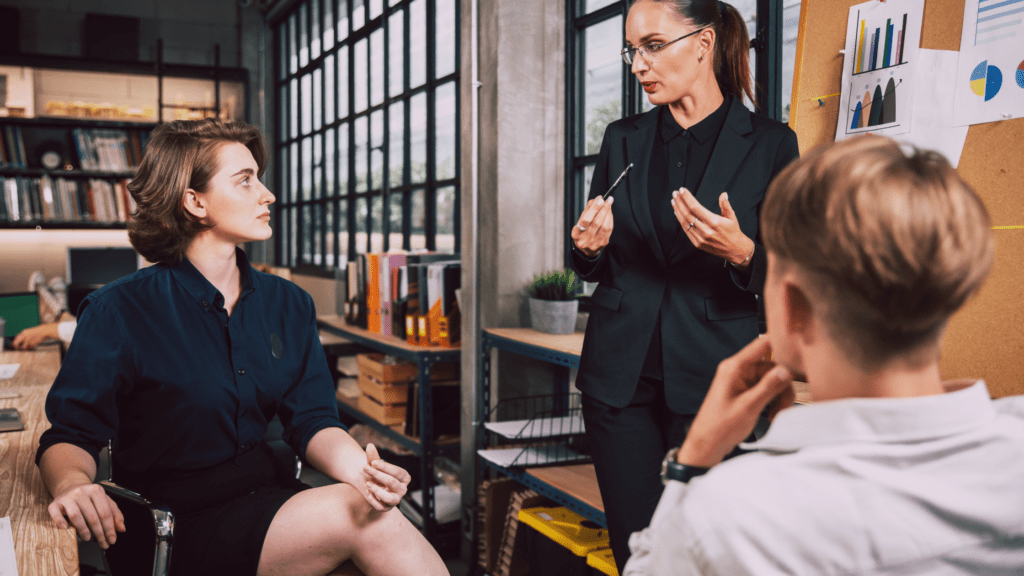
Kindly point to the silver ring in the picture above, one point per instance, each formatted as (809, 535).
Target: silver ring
(692, 223)
(582, 229)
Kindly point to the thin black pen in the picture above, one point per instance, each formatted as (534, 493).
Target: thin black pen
(617, 180)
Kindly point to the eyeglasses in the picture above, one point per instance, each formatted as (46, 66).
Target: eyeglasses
(650, 51)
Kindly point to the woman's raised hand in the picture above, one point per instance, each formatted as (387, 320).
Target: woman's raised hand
(717, 235)
(386, 484)
(594, 228)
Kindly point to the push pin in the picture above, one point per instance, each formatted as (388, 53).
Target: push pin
(821, 101)
(1007, 116)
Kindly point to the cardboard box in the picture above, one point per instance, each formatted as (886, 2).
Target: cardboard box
(388, 414)
(383, 393)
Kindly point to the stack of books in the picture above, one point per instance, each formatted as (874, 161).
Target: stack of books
(48, 199)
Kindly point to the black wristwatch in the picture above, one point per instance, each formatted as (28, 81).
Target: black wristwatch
(672, 470)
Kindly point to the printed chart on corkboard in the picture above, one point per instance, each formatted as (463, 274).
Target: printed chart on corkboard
(986, 338)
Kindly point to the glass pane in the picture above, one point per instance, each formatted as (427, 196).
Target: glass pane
(361, 154)
(307, 168)
(597, 4)
(377, 67)
(396, 55)
(376, 7)
(284, 105)
(342, 20)
(343, 82)
(318, 105)
(790, 26)
(282, 42)
(377, 150)
(329, 235)
(362, 216)
(307, 234)
(343, 159)
(417, 221)
(293, 157)
(393, 2)
(359, 76)
(444, 63)
(330, 89)
(293, 126)
(418, 139)
(293, 40)
(307, 104)
(318, 235)
(282, 237)
(330, 163)
(377, 224)
(396, 144)
(445, 129)
(395, 221)
(602, 96)
(282, 195)
(303, 36)
(293, 240)
(314, 28)
(358, 14)
(318, 167)
(445, 240)
(417, 43)
(328, 24)
(342, 209)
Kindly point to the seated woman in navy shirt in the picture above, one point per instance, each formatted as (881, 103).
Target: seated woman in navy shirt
(183, 364)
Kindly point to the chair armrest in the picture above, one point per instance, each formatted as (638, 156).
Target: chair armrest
(163, 523)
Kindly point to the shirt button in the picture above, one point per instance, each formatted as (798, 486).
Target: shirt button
(205, 303)
(241, 371)
(679, 164)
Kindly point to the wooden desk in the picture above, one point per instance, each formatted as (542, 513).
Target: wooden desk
(41, 548)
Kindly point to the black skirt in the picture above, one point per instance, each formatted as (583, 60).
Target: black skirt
(221, 515)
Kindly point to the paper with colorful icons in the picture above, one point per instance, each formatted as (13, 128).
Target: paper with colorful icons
(990, 79)
(879, 68)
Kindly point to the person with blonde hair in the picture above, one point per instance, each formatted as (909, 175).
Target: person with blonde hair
(871, 249)
(183, 365)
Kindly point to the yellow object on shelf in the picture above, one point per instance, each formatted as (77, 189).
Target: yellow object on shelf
(579, 535)
(603, 561)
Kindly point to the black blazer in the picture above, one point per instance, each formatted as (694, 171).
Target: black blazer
(712, 310)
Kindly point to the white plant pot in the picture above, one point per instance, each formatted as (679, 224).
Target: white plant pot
(554, 316)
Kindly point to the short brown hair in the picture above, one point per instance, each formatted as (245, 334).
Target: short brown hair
(893, 242)
(180, 155)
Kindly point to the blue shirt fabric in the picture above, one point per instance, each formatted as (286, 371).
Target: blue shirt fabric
(157, 362)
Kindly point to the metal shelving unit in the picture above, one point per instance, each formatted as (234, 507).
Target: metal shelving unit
(562, 351)
(425, 446)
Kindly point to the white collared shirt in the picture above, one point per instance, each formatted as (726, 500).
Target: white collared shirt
(911, 486)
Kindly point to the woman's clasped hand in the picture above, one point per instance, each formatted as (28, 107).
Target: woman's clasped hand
(593, 231)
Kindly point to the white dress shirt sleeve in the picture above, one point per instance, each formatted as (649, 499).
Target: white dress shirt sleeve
(65, 330)
(669, 546)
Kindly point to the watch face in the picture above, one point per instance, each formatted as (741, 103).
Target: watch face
(50, 160)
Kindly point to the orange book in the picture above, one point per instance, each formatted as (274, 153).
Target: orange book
(410, 328)
(421, 331)
(373, 323)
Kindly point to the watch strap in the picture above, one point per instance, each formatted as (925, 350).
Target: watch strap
(673, 470)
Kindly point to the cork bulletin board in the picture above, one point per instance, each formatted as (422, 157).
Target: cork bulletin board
(986, 338)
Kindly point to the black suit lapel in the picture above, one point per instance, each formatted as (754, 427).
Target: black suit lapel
(730, 151)
(638, 151)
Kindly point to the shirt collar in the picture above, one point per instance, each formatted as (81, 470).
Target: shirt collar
(880, 420)
(201, 290)
(701, 131)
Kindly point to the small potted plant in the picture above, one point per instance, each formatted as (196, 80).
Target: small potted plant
(553, 303)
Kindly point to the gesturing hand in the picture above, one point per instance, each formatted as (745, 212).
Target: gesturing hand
(90, 511)
(717, 235)
(594, 228)
(386, 484)
(744, 385)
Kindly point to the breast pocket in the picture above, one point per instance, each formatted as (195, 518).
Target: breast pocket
(718, 309)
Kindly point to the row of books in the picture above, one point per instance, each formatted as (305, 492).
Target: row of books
(12, 148)
(63, 200)
(109, 150)
(410, 296)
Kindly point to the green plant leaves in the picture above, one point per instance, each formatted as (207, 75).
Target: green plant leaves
(559, 285)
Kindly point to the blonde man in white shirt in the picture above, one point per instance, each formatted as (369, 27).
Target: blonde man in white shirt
(890, 470)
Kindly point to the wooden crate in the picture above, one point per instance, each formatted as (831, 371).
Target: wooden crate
(372, 365)
(384, 393)
(388, 414)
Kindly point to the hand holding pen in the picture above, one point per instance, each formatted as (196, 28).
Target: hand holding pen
(594, 228)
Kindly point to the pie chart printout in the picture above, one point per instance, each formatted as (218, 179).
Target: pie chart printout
(1020, 75)
(987, 80)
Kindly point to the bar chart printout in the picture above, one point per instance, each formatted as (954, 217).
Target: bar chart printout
(988, 21)
(882, 41)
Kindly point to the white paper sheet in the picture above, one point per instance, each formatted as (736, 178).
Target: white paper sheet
(989, 81)
(933, 106)
(8, 370)
(988, 21)
(879, 68)
(8, 562)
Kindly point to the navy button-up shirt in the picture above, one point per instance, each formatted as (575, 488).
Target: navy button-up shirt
(157, 362)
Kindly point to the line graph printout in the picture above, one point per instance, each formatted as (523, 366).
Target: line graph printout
(879, 67)
(988, 21)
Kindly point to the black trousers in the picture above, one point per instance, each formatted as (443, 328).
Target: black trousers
(628, 445)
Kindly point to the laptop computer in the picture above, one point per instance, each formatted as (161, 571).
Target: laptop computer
(20, 310)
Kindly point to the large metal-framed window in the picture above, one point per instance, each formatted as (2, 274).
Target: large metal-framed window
(367, 123)
(600, 88)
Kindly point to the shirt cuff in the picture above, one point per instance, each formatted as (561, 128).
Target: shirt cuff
(66, 330)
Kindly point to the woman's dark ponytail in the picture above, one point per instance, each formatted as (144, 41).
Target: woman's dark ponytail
(732, 54)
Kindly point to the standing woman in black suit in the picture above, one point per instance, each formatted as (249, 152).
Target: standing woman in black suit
(675, 251)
